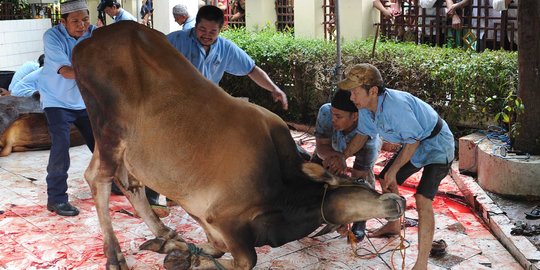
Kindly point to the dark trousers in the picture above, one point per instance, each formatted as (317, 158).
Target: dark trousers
(152, 196)
(59, 121)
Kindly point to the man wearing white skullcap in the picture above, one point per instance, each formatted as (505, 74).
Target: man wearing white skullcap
(181, 16)
(62, 101)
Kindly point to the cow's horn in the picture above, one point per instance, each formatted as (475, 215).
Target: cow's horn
(389, 196)
(319, 174)
(400, 204)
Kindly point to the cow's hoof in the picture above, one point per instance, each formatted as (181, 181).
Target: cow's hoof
(117, 265)
(155, 245)
(177, 260)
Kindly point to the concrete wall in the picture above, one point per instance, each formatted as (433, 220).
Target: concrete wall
(512, 175)
(356, 16)
(21, 41)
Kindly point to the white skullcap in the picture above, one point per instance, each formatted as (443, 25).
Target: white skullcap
(72, 6)
(180, 9)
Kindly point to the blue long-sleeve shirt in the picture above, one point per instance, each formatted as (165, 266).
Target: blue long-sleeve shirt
(55, 90)
(28, 85)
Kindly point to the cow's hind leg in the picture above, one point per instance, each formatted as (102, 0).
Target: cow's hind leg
(137, 197)
(6, 150)
(99, 177)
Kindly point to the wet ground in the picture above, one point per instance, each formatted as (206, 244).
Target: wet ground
(515, 209)
(33, 238)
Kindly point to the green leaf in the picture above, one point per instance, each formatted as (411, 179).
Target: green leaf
(506, 118)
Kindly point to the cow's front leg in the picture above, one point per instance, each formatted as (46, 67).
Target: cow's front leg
(178, 260)
(240, 241)
(100, 185)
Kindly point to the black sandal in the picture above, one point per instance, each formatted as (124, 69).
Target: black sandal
(438, 248)
(534, 213)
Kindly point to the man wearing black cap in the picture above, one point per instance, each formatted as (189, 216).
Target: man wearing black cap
(334, 132)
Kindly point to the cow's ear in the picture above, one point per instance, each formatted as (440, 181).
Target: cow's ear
(319, 174)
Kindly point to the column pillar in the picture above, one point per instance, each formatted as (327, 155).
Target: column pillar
(260, 13)
(357, 18)
(308, 19)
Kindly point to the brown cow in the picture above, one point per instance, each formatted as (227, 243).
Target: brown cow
(232, 165)
(23, 126)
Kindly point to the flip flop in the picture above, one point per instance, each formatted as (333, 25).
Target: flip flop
(438, 248)
(534, 213)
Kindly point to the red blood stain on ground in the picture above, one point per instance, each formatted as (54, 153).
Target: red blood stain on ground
(33, 238)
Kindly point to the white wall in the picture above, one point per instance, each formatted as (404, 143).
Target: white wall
(308, 19)
(21, 41)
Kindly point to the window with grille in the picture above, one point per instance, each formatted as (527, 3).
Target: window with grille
(285, 15)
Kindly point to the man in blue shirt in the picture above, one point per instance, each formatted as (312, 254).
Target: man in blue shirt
(62, 101)
(24, 70)
(28, 85)
(426, 140)
(213, 55)
(115, 11)
(336, 127)
(181, 16)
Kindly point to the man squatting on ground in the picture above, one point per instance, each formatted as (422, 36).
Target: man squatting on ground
(335, 129)
(426, 140)
(61, 100)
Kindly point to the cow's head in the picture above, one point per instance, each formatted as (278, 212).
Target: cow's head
(346, 201)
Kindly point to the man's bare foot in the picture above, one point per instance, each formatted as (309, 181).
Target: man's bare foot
(342, 230)
(390, 228)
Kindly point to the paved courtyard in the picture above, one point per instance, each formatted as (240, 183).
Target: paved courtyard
(33, 238)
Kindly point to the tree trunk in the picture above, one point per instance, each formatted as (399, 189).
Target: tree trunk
(528, 139)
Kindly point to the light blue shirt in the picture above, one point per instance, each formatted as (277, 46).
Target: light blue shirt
(224, 55)
(405, 119)
(189, 23)
(24, 70)
(28, 85)
(124, 16)
(325, 129)
(55, 90)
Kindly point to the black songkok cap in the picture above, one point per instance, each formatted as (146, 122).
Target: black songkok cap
(342, 101)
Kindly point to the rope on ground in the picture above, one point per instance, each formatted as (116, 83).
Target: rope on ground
(197, 251)
(402, 247)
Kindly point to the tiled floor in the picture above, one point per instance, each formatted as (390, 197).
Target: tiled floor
(33, 238)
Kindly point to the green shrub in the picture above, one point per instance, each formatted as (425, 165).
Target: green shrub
(455, 82)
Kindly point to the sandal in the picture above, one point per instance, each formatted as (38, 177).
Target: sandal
(534, 213)
(438, 248)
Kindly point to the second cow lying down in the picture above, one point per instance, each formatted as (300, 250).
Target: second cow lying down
(23, 126)
(232, 165)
